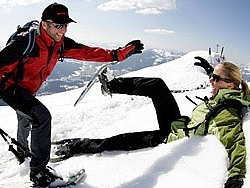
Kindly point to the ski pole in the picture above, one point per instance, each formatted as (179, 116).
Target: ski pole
(191, 100)
(19, 157)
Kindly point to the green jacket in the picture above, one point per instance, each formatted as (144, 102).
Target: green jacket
(226, 126)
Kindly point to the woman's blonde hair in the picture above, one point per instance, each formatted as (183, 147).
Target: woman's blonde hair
(233, 73)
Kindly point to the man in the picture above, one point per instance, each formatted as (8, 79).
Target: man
(18, 91)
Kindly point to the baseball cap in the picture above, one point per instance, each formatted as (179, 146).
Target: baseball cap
(58, 13)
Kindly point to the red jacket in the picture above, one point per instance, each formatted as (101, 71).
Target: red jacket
(44, 56)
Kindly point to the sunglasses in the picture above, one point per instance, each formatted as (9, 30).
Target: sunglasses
(217, 78)
(58, 26)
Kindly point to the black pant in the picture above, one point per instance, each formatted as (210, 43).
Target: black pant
(40, 118)
(165, 106)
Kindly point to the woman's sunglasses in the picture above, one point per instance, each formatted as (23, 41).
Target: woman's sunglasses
(58, 26)
(217, 78)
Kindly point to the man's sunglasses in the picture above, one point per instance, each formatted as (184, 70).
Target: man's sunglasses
(58, 26)
(217, 78)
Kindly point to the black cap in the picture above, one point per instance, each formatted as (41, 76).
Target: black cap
(58, 13)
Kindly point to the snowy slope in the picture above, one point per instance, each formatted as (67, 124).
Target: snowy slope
(190, 162)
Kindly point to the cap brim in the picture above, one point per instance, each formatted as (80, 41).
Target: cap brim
(71, 20)
(63, 21)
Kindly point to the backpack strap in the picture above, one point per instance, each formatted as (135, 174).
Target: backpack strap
(226, 104)
(61, 58)
(33, 25)
(187, 130)
(32, 32)
(214, 111)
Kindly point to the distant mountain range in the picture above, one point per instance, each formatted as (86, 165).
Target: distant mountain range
(72, 74)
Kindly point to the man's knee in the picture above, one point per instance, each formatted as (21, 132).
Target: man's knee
(40, 115)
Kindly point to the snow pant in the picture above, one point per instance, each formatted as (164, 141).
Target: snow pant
(166, 109)
(23, 129)
(40, 118)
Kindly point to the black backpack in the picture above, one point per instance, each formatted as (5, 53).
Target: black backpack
(30, 29)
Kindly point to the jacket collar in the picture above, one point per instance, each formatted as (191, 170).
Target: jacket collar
(232, 94)
(46, 38)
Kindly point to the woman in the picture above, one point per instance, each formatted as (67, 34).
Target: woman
(220, 115)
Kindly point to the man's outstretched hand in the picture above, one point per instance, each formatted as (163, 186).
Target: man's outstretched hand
(133, 47)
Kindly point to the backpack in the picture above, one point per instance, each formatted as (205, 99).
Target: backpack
(30, 29)
(214, 111)
(179, 126)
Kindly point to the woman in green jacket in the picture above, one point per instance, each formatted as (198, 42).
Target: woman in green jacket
(221, 115)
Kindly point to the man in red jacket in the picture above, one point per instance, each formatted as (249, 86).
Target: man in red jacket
(18, 91)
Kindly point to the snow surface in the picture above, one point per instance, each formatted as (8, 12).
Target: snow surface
(189, 162)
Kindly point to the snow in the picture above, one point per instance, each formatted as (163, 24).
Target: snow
(189, 162)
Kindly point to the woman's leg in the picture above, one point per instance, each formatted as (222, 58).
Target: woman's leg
(166, 109)
(124, 142)
(164, 102)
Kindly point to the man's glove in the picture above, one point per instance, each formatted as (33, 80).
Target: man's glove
(204, 64)
(234, 182)
(133, 47)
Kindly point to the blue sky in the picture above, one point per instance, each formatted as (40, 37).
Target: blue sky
(183, 25)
